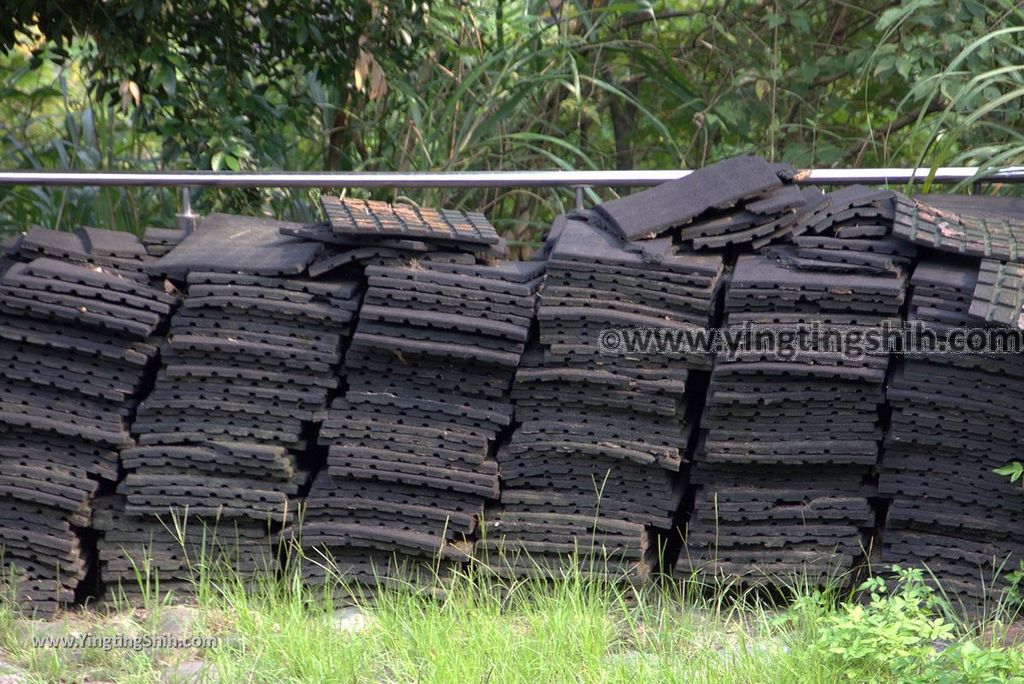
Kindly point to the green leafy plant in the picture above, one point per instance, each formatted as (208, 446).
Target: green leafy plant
(1013, 470)
(901, 634)
(894, 632)
(968, 663)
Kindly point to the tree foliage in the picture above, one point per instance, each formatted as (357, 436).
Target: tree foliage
(221, 82)
(494, 84)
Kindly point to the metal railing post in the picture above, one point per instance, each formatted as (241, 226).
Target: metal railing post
(186, 219)
(579, 197)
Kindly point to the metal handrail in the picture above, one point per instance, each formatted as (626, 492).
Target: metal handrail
(483, 179)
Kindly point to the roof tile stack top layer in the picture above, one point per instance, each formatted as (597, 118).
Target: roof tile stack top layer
(223, 243)
(742, 202)
(79, 332)
(593, 469)
(111, 250)
(376, 219)
(955, 418)
(248, 367)
(995, 228)
(791, 432)
(361, 233)
(160, 241)
(675, 204)
(990, 228)
(855, 211)
(411, 444)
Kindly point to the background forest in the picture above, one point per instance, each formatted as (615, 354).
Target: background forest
(387, 85)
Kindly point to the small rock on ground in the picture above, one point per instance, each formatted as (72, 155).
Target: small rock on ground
(349, 619)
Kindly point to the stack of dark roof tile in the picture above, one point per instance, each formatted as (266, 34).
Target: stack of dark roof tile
(990, 227)
(999, 294)
(411, 445)
(248, 368)
(77, 326)
(108, 249)
(846, 255)
(587, 417)
(760, 222)
(742, 201)
(651, 213)
(852, 212)
(952, 420)
(955, 418)
(593, 470)
(792, 434)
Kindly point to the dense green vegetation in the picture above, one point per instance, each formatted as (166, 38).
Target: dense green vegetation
(490, 84)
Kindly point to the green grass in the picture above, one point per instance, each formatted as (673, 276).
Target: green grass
(572, 630)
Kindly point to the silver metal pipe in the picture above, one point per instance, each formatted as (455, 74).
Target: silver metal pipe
(944, 175)
(479, 179)
(186, 220)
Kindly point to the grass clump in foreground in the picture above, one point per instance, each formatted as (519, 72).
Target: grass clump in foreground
(572, 630)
